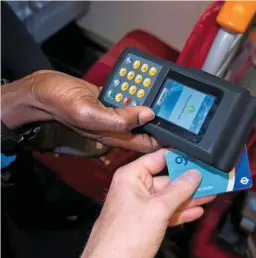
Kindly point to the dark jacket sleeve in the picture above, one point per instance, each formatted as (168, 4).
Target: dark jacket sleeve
(20, 54)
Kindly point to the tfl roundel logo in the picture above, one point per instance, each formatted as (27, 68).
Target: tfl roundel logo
(244, 180)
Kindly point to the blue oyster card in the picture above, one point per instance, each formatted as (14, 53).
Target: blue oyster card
(214, 181)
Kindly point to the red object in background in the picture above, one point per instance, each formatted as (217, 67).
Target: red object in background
(199, 43)
(138, 39)
(251, 145)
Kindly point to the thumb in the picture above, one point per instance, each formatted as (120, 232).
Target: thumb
(118, 120)
(180, 190)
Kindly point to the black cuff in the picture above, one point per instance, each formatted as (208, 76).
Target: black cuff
(12, 140)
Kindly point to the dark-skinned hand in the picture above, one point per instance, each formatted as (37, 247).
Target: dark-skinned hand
(50, 95)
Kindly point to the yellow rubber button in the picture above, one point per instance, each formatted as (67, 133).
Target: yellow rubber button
(122, 72)
(136, 64)
(140, 94)
(144, 68)
(132, 90)
(124, 86)
(138, 78)
(152, 71)
(130, 75)
(146, 82)
(119, 97)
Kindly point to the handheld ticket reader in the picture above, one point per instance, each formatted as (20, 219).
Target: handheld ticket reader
(197, 113)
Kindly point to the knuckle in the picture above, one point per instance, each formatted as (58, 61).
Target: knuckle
(122, 125)
(43, 84)
(121, 120)
(80, 114)
(150, 146)
(184, 192)
(109, 141)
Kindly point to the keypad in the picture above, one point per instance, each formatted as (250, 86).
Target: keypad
(152, 71)
(119, 97)
(130, 75)
(128, 60)
(140, 93)
(132, 81)
(136, 64)
(144, 68)
(122, 72)
(116, 83)
(127, 100)
(133, 89)
(111, 94)
(124, 86)
(138, 78)
(134, 103)
(146, 82)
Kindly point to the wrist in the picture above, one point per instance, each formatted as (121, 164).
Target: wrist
(112, 251)
(115, 248)
(18, 106)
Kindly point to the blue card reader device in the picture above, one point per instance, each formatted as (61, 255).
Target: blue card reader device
(197, 113)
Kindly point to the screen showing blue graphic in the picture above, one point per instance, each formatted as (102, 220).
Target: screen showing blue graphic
(183, 106)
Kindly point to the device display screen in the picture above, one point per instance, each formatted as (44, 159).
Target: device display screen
(183, 106)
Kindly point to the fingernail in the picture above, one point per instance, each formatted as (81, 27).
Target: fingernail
(193, 176)
(146, 116)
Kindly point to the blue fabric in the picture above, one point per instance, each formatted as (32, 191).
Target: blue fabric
(6, 160)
